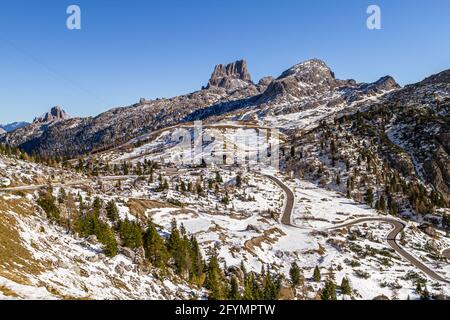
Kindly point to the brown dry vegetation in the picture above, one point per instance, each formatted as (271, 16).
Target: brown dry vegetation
(139, 207)
(16, 262)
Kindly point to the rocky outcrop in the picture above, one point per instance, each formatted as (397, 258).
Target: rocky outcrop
(2, 131)
(232, 76)
(55, 114)
(442, 77)
(305, 79)
(265, 82)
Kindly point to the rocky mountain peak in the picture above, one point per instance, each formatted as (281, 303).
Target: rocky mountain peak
(2, 131)
(309, 71)
(441, 77)
(303, 79)
(231, 76)
(55, 114)
(387, 83)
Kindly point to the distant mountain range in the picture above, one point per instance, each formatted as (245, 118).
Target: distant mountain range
(12, 126)
(230, 90)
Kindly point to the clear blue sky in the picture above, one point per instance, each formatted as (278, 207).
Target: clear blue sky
(135, 48)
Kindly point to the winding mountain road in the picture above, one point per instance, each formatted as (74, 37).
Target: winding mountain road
(397, 225)
(286, 219)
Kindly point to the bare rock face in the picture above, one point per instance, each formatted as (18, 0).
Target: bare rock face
(442, 77)
(265, 81)
(2, 131)
(232, 76)
(55, 114)
(303, 79)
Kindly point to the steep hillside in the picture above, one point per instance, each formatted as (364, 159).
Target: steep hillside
(396, 149)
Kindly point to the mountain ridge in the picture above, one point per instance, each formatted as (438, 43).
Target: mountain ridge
(304, 86)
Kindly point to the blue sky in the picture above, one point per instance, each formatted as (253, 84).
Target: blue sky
(141, 48)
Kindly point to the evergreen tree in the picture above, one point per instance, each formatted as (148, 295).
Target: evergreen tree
(425, 295)
(248, 288)
(329, 291)
(47, 202)
(112, 211)
(109, 242)
(196, 258)
(316, 274)
(179, 249)
(270, 291)
(446, 220)
(345, 287)
(238, 181)
(62, 196)
(155, 248)
(369, 196)
(234, 289)
(131, 234)
(97, 204)
(226, 199)
(294, 273)
(214, 279)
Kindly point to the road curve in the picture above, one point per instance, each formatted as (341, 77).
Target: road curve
(391, 239)
(286, 219)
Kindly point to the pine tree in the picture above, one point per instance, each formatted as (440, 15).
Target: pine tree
(257, 292)
(294, 273)
(316, 274)
(214, 279)
(179, 250)
(345, 287)
(196, 258)
(62, 196)
(131, 234)
(369, 196)
(226, 199)
(97, 204)
(155, 248)
(270, 291)
(112, 211)
(248, 289)
(329, 291)
(47, 202)
(446, 220)
(218, 177)
(238, 181)
(338, 179)
(183, 186)
(425, 295)
(382, 204)
(234, 289)
(109, 242)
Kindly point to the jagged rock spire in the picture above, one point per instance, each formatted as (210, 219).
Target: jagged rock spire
(55, 114)
(231, 76)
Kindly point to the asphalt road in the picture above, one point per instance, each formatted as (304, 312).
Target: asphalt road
(391, 239)
(289, 203)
